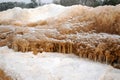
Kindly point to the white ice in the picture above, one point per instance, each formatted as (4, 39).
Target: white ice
(53, 66)
(32, 15)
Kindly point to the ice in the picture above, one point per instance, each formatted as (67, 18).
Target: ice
(31, 15)
(53, 66)
(57, 20)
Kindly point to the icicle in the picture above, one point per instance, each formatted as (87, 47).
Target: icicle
(95, 58)
(80, 54)
(51, 49)
(70, 47)
(56, 47)
(59, 48)
(35, 51)
(63, 47)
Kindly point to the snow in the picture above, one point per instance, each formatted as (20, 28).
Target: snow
(77, 15)
(32, 15)
(53, 66)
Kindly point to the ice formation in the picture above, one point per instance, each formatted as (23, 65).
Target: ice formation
(53, 66)
(92, 33)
